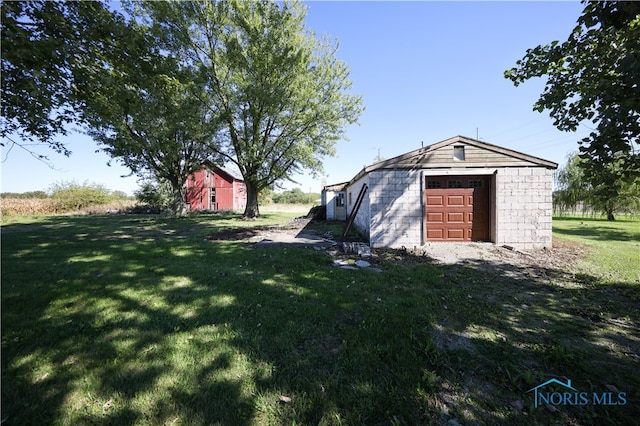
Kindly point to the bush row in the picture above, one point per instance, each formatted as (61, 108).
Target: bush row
(63, 198)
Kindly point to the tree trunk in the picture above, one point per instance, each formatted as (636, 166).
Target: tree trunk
(610, 216)
(252, 210)
(178, 206)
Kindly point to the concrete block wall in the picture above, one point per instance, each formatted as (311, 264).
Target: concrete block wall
(395, 208)
(524, 207)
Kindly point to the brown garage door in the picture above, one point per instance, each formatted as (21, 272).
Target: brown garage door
(457, 208)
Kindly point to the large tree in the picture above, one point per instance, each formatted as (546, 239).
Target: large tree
(44, 44)
(594, 76)
(144, 108)
(573, 190)
(280, 92)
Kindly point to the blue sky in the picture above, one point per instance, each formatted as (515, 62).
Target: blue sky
(426, 71)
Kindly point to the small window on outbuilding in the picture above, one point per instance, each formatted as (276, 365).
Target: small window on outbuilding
(340, 199)
(458, 153)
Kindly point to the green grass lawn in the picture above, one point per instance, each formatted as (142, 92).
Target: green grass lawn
(615, 246)
(130, 319)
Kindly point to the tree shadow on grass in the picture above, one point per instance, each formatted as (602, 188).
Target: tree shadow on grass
(597, 229)
(108, 321)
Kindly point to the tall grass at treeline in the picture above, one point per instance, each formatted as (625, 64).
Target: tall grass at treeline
(65, 197)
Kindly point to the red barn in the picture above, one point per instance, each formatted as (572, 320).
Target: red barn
(215, 189)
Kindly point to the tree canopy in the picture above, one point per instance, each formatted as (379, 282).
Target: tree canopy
(573, 191)
(594, 76)
(173, 85)
(44, 44)
(280, 92)
(144, 108)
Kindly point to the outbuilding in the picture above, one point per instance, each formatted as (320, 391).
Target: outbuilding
(457, 190)
(215, 188)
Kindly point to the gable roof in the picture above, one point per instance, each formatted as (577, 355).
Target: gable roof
(421, 158)
(229, 174)
(233, 174)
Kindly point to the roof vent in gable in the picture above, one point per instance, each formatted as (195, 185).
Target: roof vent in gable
(458, 152)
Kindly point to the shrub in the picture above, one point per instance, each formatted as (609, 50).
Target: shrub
(155, 195)
(295, 196)
(71, 196)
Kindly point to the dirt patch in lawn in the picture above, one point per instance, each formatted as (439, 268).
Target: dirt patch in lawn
(258, 233)
(563, 253)
(299, 232)
(309, 233)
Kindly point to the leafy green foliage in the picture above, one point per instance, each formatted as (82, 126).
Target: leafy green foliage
(595, 76)
(158, 125)
(24, 195)
(608, 197)
(44, 46)
(280, 92)
(295, 196)
(571, 188)
(70, 196)
(156, 195)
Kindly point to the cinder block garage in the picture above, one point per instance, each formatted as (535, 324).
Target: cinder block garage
(457, 190)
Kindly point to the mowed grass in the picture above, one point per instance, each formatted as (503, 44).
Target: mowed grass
(615, 246)
(142, 320)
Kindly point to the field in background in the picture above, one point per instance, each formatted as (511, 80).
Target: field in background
(11, 208)
(301, 209)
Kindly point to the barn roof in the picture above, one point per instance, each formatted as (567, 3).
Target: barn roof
(232, 173)
(420, 158)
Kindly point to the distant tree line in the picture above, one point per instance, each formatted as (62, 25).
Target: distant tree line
(25, 195)
(576, 194)
(295, 196)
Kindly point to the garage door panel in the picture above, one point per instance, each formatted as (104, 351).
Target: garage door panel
(455, 234)
(455, 217)
(435, 217)
(455, 200)
(458, 213)
(435, 200)
(435, 234)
